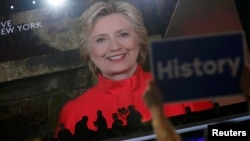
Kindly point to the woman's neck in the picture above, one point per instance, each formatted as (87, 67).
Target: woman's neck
(121, 75)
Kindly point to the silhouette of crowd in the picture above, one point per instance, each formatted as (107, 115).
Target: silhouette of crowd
(82, 132)
(23, 131)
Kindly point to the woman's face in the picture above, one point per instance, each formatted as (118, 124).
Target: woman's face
(113, 47)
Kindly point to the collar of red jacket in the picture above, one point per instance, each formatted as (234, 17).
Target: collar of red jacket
(130, 84)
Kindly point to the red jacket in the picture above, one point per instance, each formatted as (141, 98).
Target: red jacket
(108, 96)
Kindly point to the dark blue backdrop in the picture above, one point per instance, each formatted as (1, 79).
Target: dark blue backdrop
(185, 84)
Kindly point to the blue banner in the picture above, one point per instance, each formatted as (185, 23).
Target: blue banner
(198, 67)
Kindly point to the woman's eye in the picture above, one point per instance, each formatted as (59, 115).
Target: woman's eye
(124, 34)
(100, 40)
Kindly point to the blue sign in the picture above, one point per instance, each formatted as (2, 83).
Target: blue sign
(198, 67)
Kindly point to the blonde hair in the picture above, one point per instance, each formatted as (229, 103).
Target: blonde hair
(101, 9)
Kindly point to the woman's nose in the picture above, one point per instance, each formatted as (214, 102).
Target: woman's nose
(114, 45)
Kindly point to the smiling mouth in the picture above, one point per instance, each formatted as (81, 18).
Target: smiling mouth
(116, 57)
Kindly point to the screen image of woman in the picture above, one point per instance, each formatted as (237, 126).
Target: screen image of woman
(113, 42)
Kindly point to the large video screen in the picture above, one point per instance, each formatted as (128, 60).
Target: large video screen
(41, 68)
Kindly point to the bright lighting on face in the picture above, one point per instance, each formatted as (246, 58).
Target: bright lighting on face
(56, 2)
